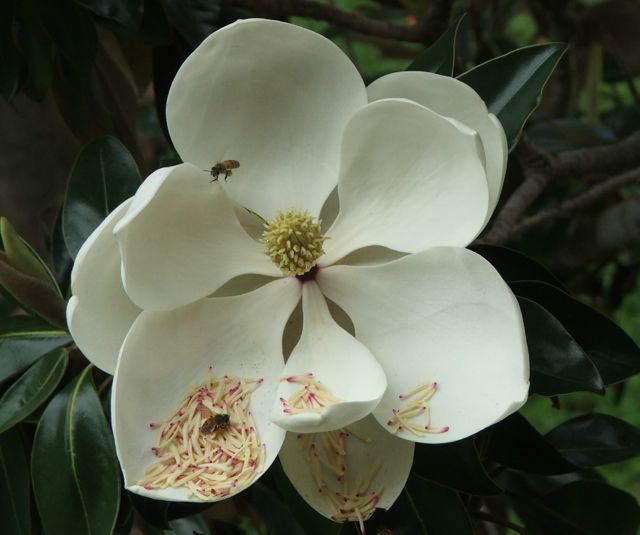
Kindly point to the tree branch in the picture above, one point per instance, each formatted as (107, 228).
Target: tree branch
(578, 203)
(541, 169)
(426, 31)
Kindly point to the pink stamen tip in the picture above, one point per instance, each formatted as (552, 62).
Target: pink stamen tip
(152, 425)
(435, 385)
(401, 396)
(148, 486)
(308, 374)
(210, 368)
(445, 429)
(260, 381)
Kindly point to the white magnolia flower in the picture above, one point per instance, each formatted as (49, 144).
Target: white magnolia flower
(403, 173)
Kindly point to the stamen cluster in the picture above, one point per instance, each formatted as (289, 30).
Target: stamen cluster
(313, 396)
(415, 405)
(209, 465)
(293, 241)
(327, 456)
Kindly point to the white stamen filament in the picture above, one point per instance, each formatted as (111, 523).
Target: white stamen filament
(213, 465)
(327, 457)
(415, 405)
(313, 396)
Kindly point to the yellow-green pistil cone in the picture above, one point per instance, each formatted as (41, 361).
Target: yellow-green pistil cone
(293, 241)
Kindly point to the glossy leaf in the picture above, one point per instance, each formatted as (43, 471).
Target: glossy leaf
(23, 257)
(190, 526)
(426, 508)
(33, 294)
(441, 55)
(596, 439)
(614, 353)
(32, 389)
(312, 522)
(126, 13)
(275, 513)
(455, 465)
(511, 85)
(558, 363)
(15, 497)
(514, 266)
(517, 444)
(104, 175)
(76, 478)
(23, 341)
(592, 508)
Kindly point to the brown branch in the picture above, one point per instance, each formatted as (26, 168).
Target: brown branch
(426, 31)
(541, 169)
(578, 203)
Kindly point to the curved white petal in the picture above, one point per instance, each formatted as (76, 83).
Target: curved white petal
(452, 98)
(180, 240)
(168, 353)
(410, 179)
(345, 369)
(443, 315)
(274, 97)
(392, 455)
(100, 313)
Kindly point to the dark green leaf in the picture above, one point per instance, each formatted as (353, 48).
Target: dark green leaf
(516, 443)
(15, 516)
(190, 526)
(511, 85)
(32, 389)
(311, 521)
(558, 363)
(426, 508)
(127, 13)
(455, 465)
(25, 341)
(33, 294)
(514, 266)
(103, 176)
(38, 51)
(614, 353)
(193, 19)
(596, 439)
(593, 508)
(441, 55)
(76, 479)
(154, 512)
(10, 65)
(23, 257)
(73, 30)
(275, 514)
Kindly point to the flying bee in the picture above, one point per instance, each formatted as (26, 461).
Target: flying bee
(215, 422)
(225, 167)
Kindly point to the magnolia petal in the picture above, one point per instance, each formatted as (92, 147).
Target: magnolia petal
(452, 98)
(410, 179)
(341, 364)
(180, 240)
(100, 313)
(393, 456)
(443, 315)
(168, 353)
(274, 97)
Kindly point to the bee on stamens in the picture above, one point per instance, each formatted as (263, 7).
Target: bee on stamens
(225, 167)
(215, 422)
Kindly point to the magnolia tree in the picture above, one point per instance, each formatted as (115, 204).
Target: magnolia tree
(303, 320)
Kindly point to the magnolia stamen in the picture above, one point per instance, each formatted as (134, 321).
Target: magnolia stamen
(349, 503)
(312, 397)
(208, 464)
(416, 405)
